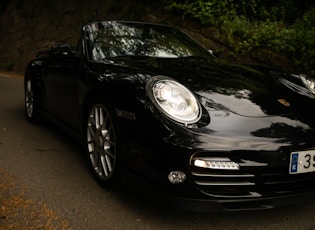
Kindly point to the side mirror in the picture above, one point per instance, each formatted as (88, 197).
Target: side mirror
(64, 50)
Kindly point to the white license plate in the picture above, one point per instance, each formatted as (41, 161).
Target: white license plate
(302, 162)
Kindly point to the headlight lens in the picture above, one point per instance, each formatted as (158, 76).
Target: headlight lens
(176, 101)
(308, 82)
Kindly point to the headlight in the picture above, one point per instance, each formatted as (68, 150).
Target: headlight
(175, 100)
(308, 82)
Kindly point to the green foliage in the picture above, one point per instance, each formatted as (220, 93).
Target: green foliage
(304, 40)
(210, 13)
(217, 12)
(283, 26)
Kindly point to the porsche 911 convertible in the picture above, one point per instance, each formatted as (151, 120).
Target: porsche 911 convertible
(158, 113)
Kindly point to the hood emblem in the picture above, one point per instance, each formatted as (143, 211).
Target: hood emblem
(284, 102)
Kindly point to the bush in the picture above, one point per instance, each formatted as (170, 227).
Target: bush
(284, 26)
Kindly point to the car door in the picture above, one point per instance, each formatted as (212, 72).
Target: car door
(61, 83)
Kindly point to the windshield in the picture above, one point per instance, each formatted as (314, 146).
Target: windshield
(116, 39)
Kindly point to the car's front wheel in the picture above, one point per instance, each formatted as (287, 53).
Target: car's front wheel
(102, 145)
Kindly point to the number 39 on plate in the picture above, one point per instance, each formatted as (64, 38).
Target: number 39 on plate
(302, 162)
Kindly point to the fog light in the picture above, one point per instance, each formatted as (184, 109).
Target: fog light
(216, 163)
(176, 177)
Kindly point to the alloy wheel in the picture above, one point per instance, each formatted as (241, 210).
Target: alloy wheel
(101, 142)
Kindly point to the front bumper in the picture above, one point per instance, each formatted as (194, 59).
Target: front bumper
(262, 181)
(196, 200)
(156, 148)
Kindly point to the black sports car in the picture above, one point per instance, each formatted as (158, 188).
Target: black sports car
(158, 113)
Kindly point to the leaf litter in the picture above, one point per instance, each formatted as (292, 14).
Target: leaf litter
(17, 211)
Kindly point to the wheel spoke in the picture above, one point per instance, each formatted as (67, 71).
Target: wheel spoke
(91, 121)
(108, 152)
(92, 158)
(90, 136)
(104, 165)
(97, 118)
(104, 132)
(90, 132)
(101, 118)
(109, 163)
(107, 136)
(91, 147)
(29, 85)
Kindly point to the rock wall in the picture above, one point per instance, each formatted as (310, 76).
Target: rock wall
(29, 26)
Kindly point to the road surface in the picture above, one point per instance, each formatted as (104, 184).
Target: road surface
(45, 184)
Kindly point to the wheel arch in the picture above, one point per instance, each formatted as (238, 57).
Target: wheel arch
(92, 95)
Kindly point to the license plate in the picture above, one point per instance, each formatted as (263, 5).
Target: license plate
(302, 162)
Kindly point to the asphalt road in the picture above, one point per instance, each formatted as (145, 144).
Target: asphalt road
(44, 184)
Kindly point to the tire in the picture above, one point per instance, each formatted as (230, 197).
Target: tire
(30, 101)
(102, 145)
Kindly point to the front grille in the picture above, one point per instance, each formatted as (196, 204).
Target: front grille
(251, 182)
(225, 184)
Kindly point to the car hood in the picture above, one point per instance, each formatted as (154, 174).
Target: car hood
(239, 89)
(249, 108)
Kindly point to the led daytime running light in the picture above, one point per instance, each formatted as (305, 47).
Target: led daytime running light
(216, 164)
